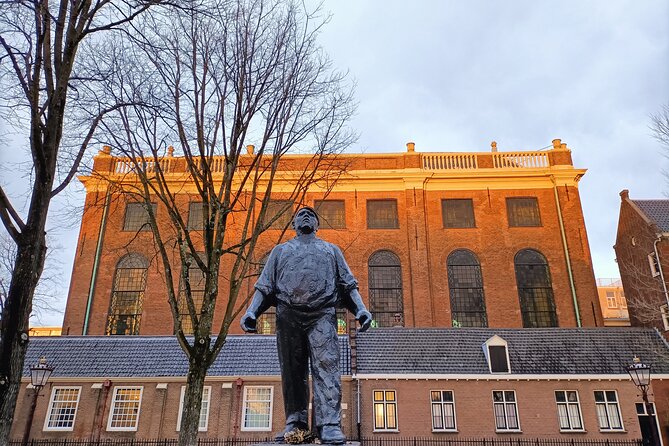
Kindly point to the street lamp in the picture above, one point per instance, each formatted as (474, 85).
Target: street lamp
(640, 374)
(39, 375)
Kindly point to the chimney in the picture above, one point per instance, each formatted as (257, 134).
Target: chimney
(557, 143)
(624, 194)
(250, 149)
(170, 151)
(411, 147)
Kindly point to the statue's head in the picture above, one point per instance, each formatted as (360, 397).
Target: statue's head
(306, 221)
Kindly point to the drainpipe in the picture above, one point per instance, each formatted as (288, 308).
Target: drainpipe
(359, 419)
(96, 261)
(566, 254)
(659, 264)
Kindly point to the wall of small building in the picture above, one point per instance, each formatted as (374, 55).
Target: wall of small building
(613, 303)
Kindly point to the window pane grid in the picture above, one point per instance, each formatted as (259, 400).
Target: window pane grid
(266, 323)
(569, 410)
(331, 213)
(535, 290)
(257, 408)
(385, 410)
(195, 216)
(126, 301)
(382, 214)
(197, 281)
(204, 408)
(274, 208)
(505, 410)
(443, 410)
(458, 213)
(137, 217)
(63, 408)
(465, 284)
(385, 290)
(124, 413)
(523, 212)
(608, 411)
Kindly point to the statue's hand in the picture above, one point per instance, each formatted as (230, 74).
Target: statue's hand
(248, 322)
(364, 317)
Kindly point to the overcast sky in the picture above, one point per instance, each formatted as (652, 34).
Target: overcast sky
(456, 75)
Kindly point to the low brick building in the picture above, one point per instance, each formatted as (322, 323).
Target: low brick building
(642, 253)
(406, 382)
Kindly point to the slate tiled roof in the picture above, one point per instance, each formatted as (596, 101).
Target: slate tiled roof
(148, 356)
(531, 351)
(656, 210)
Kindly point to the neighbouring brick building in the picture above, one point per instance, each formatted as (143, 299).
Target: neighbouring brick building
(435, 239)
(642, 253)
(407, 382)
(613, 303)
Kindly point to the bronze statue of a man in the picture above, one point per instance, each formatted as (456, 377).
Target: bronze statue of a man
(307, 279)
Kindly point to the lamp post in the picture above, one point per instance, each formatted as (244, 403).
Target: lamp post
(640, 374)
(39, 375)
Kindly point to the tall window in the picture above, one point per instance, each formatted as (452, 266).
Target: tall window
(458, 213)
(331, 213)
(569, 410)
(204, 408)
(124, 411)
(196, 280)
(137, 217)
(443, 410)
(385, 410)
(608, 411)
(385, 289)
(523, 211)
(266, 323)
(62, 409)
(341, 321)
(465, 285)
(535, 290)
(382, 214)
(506, 410)
(257, 414)
(195, 215)
(125, 309)
(611, 300)
(281, 208)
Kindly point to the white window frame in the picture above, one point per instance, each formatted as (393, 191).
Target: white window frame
(496, 341)
(654, 264)
(113, 405)
(244, 407)
(505, 403)
(566, 403)
(385, 403)
(442, 404)
(611, 300)
(206, 404)
(607, 405)
(664, 311)
(50, 409)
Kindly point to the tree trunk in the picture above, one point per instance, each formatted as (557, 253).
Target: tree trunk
(15, 324)
(190, 413)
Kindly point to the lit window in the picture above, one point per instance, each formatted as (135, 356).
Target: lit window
(569, 410)
(611, 301)
(664, 311)
(281, 211)
(257, 414)
(654, 265)
(385, 410)
(443, 410)
(535, 289)
(623, 300)
(465, 286)
(341, 321)
(523, 212)
(385, 289)
(62, 409)
(125, 307)
(506, 410)
(382, 214)
(331, 214)
(458, 213)
(196, 216)
(124, 411)
(204, 408)
(608, 411)
(137, 217)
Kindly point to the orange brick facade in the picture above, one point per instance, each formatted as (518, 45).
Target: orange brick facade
(421, 241)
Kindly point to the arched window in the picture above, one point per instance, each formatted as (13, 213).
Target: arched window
(535, 289)
(465, 286)
(385, 289)
(125, 308)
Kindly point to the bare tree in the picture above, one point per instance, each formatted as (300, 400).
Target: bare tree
(660, 126)
(244, 71)
(40, 80)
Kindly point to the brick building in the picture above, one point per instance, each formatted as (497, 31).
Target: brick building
(452, 383)
(642, 253)
(435, 239)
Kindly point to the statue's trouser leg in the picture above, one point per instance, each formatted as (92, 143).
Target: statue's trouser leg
(325, 368)
(293, 350)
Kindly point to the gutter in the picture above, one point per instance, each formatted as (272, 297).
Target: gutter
(659, 263)
(566, 254)
(96, 262)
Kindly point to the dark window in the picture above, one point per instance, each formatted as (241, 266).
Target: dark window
(195, 216)
(385, 289)
(458, 213)
(331, 214)
(498, 362)
(465, 286)
(382, 214)
(137, 217)
(125, 308)
(282, 210)
(523, 211)
(196, 280)
(535, 289)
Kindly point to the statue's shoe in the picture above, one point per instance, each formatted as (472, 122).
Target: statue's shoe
(331, 434)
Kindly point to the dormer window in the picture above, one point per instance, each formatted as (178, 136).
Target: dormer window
(497, 355)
